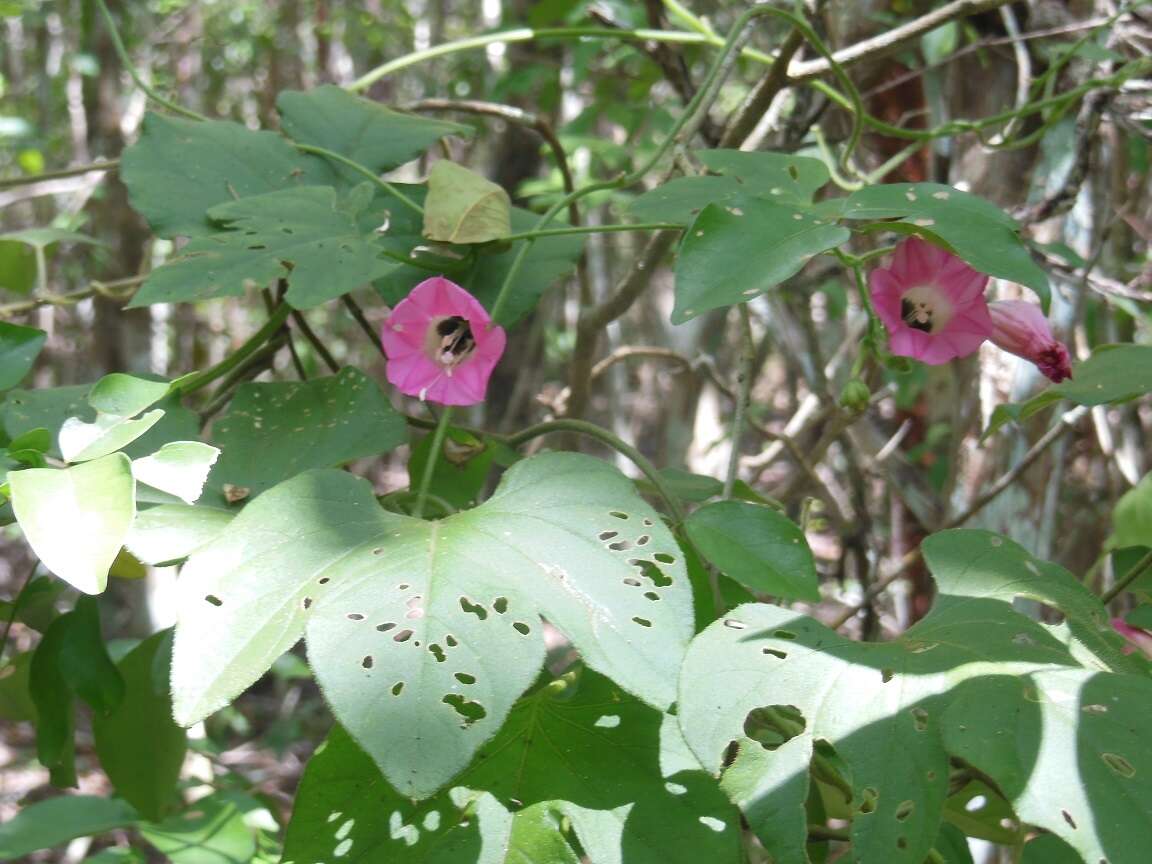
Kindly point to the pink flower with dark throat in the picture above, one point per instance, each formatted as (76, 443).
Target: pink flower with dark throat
(931, 302)
(1020, 328)
(441, 344)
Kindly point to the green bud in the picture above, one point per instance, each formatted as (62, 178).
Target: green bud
(855, 395)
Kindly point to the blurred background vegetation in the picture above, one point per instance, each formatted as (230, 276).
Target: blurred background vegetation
(867, 486)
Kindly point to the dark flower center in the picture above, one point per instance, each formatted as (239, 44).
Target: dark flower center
(916, 314)
(456, 341)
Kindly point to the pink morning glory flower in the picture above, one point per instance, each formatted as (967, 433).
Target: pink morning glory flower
(931, 302)
(441, 344)
(1020, 328)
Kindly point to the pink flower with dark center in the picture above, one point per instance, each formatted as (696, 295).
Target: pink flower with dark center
(931, 302)
(1020, 328)
(441, 344)
(1137, 637)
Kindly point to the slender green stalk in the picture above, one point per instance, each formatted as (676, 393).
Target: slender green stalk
(122, 53)
(430, 463)
(526, 34)
(593, 229)
(591, 430)
(192, 383)
(356, 166)
(16, 607)
(1139, 569)
(743, 395)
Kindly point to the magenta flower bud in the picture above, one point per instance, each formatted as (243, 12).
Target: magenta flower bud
(1137, 638)
(1020, 328)
(441, 344)
(931, 303)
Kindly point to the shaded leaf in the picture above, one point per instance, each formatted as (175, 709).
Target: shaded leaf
(19, 348)
(359, 129)
(306, 235)
(140, 748)
(275, 430)
(734, 252)
(223, 828)
(219, 162)
(760, 548)
(55, 821)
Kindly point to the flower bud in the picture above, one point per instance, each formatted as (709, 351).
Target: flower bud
(855, 396)
(1020, 328)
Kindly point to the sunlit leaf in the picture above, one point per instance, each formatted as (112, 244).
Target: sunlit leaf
(463, 207)
(423, 634)
(75, 519)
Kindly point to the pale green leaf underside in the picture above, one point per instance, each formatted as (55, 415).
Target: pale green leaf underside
(423, 634)
(75, 519)
(463, 207)
(178, 468)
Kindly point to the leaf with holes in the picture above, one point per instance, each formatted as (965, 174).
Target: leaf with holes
(879, 705)
(219, 162)
(782, 177)
(1069, 749)
(75, 519)
(361, 130)
(307, 236)
(737, 251)
(760, 548)
(977, 230)
(463, 207)
(979, 564)
(343, 800)
(275, 430)
(423, 634)
(595, 755)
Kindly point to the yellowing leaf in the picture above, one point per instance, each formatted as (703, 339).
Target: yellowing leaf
(463, 207)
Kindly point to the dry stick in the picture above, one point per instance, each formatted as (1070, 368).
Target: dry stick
(1067, 422)
(302, 325)
(592, 321)
(894, 39)
(743, 124)
(75, 171)
(104, 289)
(358, 314)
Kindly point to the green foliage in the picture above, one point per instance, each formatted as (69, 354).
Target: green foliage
(757, 546)
(952, 685)
(58, 820)
(140, 747)
(274, 431)
(577, 751)
(423, 634)
(19, 348)
(976, 230)
(1114, 373)
(362, 130)
(307, 236)
(218, 162)
(736, 251)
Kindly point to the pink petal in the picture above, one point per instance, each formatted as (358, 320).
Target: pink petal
(885, 291)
